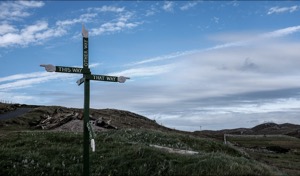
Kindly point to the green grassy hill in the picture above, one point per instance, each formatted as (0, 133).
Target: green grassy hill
(122, 152)
(45, 140)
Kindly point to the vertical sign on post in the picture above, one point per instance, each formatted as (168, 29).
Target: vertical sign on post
(87, 76)
(85, 45)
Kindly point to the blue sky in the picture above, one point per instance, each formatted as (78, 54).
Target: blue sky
(193, 64)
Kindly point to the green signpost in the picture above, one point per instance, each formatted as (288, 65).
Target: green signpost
(87, 76)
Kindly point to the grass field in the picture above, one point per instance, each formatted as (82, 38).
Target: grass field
(121, 152)
(257, 147)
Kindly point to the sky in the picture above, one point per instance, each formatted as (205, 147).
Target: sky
(193, 65)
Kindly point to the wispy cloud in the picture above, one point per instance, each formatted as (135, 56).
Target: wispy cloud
(145, 71)
(15, 10)
(202, 85)
(38, 32)
(164, 57)
(19, 81)
(121, 23)
(216, 19)
(188, 5)
(23, 35)
(84, 18)
(259, 37)
(121, 20)
(23, 76)
(29, 34)
(282, 9)
(109, 9)
(220, 80)
(282, 32)
(7, 28)
(152, 11)
(168, 6)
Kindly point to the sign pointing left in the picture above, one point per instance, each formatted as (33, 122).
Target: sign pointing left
(52, 68)
(49, 67)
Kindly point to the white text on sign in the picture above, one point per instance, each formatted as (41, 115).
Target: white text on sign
(85, 53)
(105, 78)
(68, 69)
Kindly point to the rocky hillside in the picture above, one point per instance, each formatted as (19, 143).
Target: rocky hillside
(71, 119)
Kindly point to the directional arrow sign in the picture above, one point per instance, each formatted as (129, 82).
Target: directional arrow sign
(68, 69)
(52, 68)
(120, 79)
(49, 67)
(80, 81)
(103, 78)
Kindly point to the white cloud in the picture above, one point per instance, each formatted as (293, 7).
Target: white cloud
(151, 12)
(234, 3)
(117, 25)
(23, 76)
(7, 28)
(193, 79)
(30, 34)
(14, 10)
(27, 80)
(23, 35)
(84, 18)
(165, 57)
(109, 9)
(94, 65)
(168, 6)
(282, 32)
(217, 79)
(282, 9)
(277, 105)
(216, 19)
(32, 3)
(20, 81)
(145, 71)
(188, 5)
(11, 35)
(242, 41)
(21, 98)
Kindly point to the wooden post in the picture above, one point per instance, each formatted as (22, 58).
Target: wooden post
(87, 76)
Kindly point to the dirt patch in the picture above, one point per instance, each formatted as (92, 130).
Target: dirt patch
(172, 150)
(76, 126)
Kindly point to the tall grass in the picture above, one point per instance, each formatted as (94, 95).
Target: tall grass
(121, 152)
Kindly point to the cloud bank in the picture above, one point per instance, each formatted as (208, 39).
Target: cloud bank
(14, 35)
(237, 83)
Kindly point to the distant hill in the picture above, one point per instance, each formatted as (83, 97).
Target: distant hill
(70, 119)
(262, 129)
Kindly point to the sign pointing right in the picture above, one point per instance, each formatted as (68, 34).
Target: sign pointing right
(120, 79)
